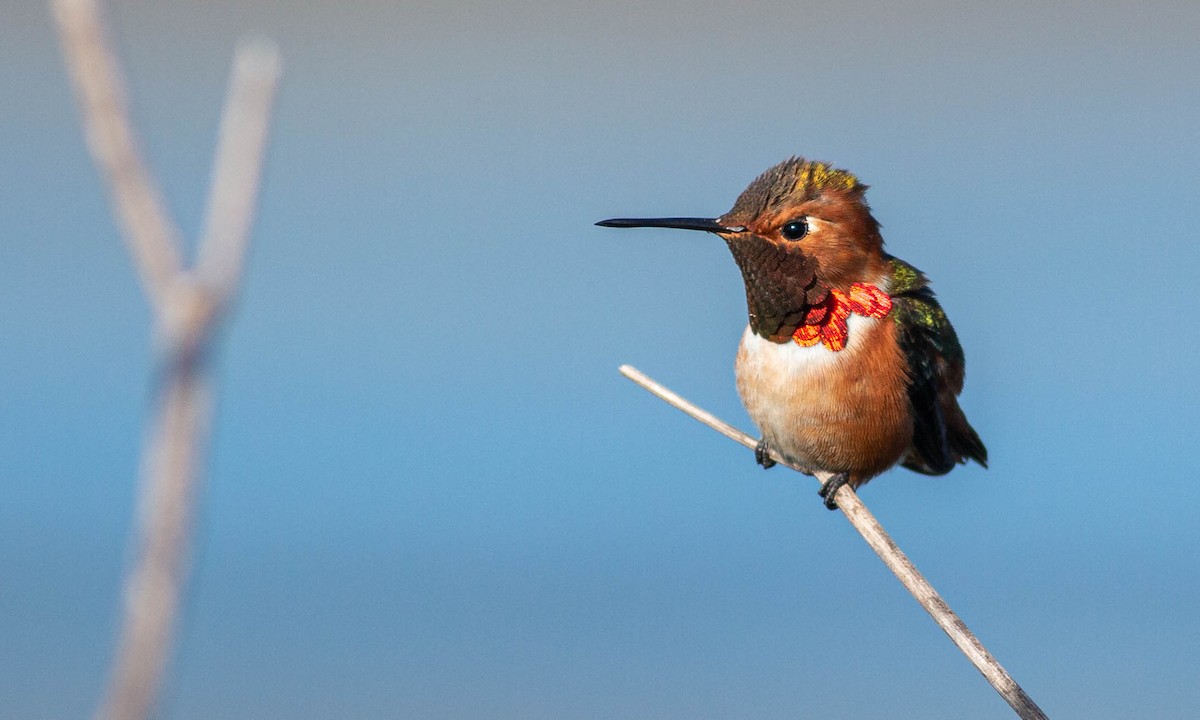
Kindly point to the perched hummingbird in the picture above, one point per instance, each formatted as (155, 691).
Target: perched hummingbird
(849, 364)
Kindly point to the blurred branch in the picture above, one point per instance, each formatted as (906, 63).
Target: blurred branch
(100, 87)
(866, 524)
(171, 462)
(188, 307)
(234, 187)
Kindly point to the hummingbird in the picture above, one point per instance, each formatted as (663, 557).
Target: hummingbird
(848, 364)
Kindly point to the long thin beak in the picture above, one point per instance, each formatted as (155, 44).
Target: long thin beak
(704, 224)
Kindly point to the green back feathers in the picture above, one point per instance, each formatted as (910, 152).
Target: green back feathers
(942, 437)
(905, 277)
(916, 308)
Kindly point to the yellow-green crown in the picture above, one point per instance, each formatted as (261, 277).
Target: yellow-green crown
(818, 176)
(791, 180)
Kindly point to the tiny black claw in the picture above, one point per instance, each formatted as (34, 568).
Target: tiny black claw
(830, 488)
(762, 455)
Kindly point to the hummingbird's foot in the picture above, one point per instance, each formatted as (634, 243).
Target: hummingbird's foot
(762, 455)
(830, 488)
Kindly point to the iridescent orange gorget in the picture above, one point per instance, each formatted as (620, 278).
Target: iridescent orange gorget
(827, 323)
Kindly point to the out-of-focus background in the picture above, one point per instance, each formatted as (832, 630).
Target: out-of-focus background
(431, 494)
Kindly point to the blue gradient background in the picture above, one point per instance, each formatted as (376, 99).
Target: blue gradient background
(431, 494)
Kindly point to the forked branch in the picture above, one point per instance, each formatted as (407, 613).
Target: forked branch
(188, 306)
(867, 526)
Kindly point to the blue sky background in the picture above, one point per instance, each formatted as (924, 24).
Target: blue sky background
(432, 495)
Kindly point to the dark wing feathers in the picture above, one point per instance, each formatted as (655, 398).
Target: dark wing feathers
(942, 437)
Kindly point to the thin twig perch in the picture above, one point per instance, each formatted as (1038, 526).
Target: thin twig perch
(188, 306)
(867, 526)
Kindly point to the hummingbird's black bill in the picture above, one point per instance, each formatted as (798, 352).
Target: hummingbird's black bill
(704, 224)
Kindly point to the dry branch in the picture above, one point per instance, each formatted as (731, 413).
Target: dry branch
(151, 237)
(188, 307)
(867, 526)
(233, 191)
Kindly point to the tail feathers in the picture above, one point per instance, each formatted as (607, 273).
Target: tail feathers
(962, 437)
(936, 451)
(969, 446)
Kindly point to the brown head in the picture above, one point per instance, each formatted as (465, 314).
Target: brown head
(800, 229)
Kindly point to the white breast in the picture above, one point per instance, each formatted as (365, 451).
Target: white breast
(788, 358)
(780, 383)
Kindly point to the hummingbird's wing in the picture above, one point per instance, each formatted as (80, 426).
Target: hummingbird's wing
(942, 437)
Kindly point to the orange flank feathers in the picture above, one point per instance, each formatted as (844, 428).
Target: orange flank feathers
(829, 408)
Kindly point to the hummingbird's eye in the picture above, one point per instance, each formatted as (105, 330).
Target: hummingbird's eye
(795, 229)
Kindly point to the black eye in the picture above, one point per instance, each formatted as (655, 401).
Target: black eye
(795, 229)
